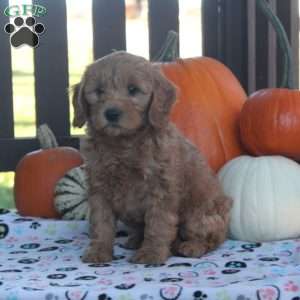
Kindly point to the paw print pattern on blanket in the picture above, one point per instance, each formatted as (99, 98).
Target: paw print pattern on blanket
(37, 259)
(291, 286)
(198, 295)
(242, 297)
(104, 297)
(3, 230)
(271, 292)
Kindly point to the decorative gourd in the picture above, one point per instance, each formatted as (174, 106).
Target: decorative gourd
(210, 99)
(266, 197)
(71, 193)
(270, 118)
(37, 173)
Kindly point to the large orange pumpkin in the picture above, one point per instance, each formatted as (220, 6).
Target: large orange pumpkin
(207, 110)
(270, 118)
(36, 176)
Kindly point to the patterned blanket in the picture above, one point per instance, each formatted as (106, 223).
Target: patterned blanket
(40, 259)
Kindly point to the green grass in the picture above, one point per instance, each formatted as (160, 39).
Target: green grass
(6, 190)
(24, 112)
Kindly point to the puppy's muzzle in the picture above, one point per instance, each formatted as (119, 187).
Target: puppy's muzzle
(113, 115)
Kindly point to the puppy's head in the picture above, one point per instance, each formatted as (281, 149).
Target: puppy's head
(122, 93)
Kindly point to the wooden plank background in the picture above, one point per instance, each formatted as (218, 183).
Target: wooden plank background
(163, 17)
(109, 26)
(51, 69)
(234, 32)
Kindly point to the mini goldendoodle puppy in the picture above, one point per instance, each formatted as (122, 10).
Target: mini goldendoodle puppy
(141, 169)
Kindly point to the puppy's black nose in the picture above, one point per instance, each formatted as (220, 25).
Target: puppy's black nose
(113, 114)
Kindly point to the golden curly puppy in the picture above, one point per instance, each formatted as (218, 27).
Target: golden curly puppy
(141, 169)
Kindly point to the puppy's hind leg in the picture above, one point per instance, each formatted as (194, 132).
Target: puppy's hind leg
(203, 232)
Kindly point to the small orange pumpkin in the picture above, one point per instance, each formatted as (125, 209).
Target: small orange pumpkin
(270, 118)
(270, 123)
(209, 102)
(37, 174)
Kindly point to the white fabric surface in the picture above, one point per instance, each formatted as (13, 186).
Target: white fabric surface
(40, 259)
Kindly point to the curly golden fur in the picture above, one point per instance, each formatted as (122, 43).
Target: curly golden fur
(141, 169)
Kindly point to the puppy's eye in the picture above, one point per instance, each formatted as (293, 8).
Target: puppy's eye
(133, 90)
(99, 91)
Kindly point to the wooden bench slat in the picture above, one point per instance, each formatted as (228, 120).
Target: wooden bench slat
(51, 69)
(163, 17)
(289, 16)
(211, 27)
(225, 34)
(251, 55)
(235, 38)
(263, 49)
(6, 97)
(109, 26)
(12, 150)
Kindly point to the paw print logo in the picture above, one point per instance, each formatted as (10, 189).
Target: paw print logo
(198, 295)
(24, 32)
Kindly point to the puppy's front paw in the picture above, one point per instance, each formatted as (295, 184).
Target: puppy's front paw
(191, 249)
(150, 256)
(95, 255)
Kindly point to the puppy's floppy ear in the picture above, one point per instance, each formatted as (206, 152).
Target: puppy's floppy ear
(79, 104)
(164, 96)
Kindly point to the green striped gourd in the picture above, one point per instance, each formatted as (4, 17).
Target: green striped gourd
(71, 195)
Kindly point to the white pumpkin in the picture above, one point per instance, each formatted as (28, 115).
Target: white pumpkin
(266, 197)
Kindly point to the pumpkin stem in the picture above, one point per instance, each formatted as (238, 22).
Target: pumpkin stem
(46, 137)
(287, 79)
(170, 49)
